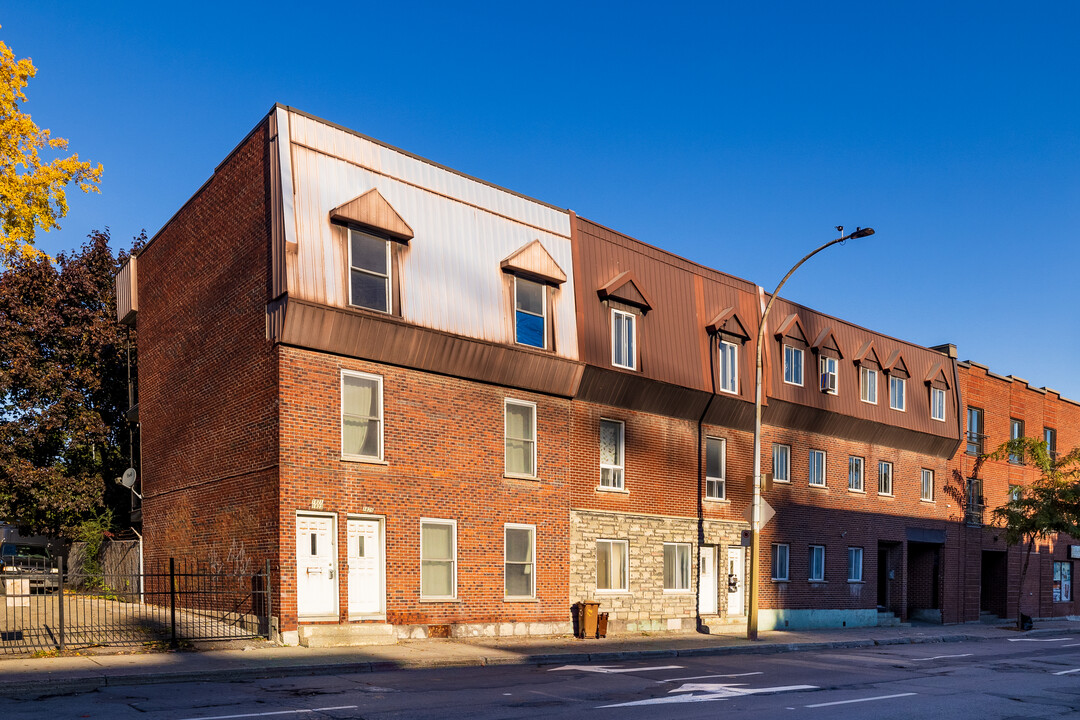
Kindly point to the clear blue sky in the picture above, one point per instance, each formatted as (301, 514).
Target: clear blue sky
(735, 134)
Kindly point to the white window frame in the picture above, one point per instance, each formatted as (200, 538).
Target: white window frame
(824, 362)
(729, 349)
(882, 465)
(781, 456)
(633, 350)
(923, 485)
(389, 273)
(934, 405)
(543, 311)
(854, 569)
(341, 415)
(902, 384)
(776, 547)
(809, 465)
(536, 431)
(687, 582)
(626, 565)
(856, 463)
(453, 561)
(868, 385)
(789, 365)
(810, 564)
(619, 482)
(506, 560)
(722, 480)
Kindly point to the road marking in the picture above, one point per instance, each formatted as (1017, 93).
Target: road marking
(277, 712)
(1037, 639)
(1068, 672)
(607, 670)
(704, 677)
(722, 692)
(1073, 645)
(859, 700)
(939, 657)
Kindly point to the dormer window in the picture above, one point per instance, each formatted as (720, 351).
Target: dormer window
(530, 313)
(897, 389)
(868, 385)
(623, 339)
(369, 271)
(729, 367)
(828, 375)
(793, 358)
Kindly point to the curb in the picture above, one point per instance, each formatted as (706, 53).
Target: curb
(63, 686)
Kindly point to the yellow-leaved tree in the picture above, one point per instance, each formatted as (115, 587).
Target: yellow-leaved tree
(32, 189)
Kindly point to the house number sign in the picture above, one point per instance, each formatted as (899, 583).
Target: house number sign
(316, 504)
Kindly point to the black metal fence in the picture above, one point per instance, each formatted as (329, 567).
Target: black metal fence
(44, 608)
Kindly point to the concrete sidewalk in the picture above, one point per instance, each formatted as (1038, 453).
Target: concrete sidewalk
(82, 673)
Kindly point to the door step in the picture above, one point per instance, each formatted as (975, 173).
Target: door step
(888, 619)
(717, 625)
(324, 636)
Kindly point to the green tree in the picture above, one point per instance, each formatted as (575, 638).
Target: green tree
(63, 388)
(1039, 511)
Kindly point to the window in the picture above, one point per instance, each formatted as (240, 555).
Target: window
(438, 559)
(1050, 437)
(854, 564)
(612, 565)
(530, 313)
(817, 468)
(937, 404)
(715, 466)
(622, 340)
(828, 375)
(793, 365)
(369, 271)
(729, 367)
(855, 474)
(817, 563)
(897, 386)
(884, 478)
(361, 415)
(676, 566)
(1014, 493)
(611, 454)
(975, 431)
(780, 552)
(520, 438)
(1062, 582)
(973, 502)
(1016, 431)
(520, 561)
(868, 385)
(781, 463)
(927, 490)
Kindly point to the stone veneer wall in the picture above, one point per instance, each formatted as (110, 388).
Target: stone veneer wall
(646, 606)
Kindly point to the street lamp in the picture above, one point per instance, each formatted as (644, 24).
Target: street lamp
(755, 517)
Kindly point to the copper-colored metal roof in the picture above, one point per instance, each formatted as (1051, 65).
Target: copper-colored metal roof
(372, 210)
(534, 261)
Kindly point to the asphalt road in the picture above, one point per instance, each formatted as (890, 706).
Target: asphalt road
(1019, 678)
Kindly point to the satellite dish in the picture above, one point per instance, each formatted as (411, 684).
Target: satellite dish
(128, 480)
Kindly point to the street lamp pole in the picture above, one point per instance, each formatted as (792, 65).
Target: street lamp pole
(755, 517)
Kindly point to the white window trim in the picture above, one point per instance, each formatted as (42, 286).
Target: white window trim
(865, 374)
(633, 334)
(775, 480)
(810, 564)
(723, 468)
(891, 478)
(536, 432)
(621, 468)
(506, 561)
(543, 313)
(862, 474)
(824, 361)
(690, 570)
(802, 365)
(389, 272)
(626, 567)
(454, 560)
(772, 571)
(341, 416)
(944, 402)
(860, 566)
(922, 495)
(892, 396)
(824, 464)
(735, 357)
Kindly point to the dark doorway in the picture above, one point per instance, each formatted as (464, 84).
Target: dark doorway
(924, 581)
(888, 577)
(993, 583)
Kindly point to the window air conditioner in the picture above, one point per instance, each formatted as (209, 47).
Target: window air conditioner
(828, 382)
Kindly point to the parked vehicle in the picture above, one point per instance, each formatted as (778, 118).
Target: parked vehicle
(28, 558)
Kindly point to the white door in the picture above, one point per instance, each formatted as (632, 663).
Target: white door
(707, 581)
(316, 566)
(365, 567)
(736, 580)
